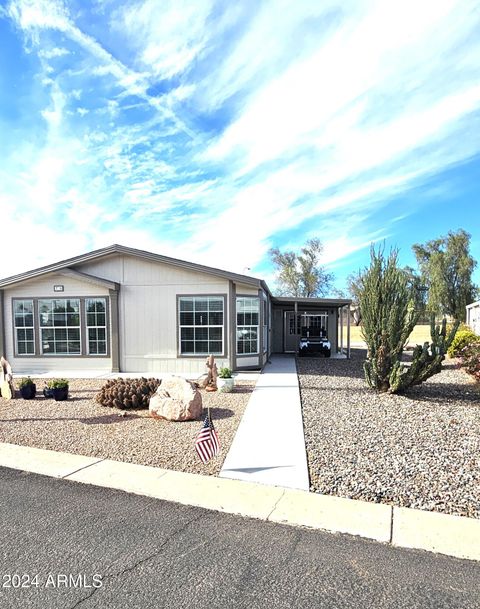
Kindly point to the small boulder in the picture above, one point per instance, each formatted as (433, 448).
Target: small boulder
(176, 400)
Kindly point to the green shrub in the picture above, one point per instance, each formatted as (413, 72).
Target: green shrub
(25, 381)
(470, 359)
(225, 373)
(463, 338)
(57, 384)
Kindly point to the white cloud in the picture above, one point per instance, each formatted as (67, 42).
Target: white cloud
(35, 15)
(320, 112)
(352, 71)
(167, 36)
(54, 114)
(32, 15)
(55, 52)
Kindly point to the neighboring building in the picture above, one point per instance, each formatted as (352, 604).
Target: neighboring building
(473, 316)
(119, 309)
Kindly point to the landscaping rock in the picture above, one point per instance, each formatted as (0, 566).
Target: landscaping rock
(91, 430)
(176, 400)
(420, 449)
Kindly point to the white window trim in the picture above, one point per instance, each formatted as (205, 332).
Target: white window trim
(17, 328)
(87, 327)
(249, 326)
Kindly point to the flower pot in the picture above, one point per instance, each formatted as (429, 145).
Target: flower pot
(28, 391)
(60, 394)
(48, 393)
(225, 385)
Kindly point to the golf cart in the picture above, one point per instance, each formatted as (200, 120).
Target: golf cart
(313, 337)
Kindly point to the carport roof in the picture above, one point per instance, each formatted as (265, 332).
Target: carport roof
(324, 302)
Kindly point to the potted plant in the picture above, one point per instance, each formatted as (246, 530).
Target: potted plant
(57, 389)
(27, 387)
(225, 380)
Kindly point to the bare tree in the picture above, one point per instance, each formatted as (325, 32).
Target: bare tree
(301, 275)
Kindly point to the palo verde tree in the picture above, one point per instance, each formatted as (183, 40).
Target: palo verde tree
(387, 302)
(301, 275)
(446, 268)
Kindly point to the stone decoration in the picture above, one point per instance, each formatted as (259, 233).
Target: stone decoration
(176, 400)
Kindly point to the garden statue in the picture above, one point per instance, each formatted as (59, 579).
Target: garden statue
(210, 382)
(6, 379)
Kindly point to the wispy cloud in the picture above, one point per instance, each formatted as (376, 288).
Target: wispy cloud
(224, 128)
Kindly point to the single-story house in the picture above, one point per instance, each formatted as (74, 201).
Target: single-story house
(473, 316)
(120, 309)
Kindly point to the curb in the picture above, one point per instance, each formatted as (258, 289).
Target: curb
(402, 527)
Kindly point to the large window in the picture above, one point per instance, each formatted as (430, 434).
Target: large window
(24, 327)
(247, 325)
(59, 322)
(201, 325)
(61, 326)
(96, 318)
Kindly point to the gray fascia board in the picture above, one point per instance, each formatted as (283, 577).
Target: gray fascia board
(129, 251)
(329, 302)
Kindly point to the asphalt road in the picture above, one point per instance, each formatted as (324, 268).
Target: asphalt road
(92, 547)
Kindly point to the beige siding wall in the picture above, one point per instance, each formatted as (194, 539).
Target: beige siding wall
(473, 317)
(43, 288)
(110, 268)
(250, 361)
(148, 312)
(246, 290)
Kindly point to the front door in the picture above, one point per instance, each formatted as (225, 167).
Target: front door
(292, 332)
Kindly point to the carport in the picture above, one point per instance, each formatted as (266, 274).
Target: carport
(290, 314)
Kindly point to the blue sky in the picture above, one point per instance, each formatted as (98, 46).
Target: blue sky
(212, 131)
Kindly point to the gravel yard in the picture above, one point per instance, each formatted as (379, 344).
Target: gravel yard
(80, 425)
(419, 450)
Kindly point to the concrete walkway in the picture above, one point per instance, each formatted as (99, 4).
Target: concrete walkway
(269, 446)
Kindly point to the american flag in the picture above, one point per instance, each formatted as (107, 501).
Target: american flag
(207, 444)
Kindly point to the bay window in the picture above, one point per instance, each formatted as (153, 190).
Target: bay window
(60, 326)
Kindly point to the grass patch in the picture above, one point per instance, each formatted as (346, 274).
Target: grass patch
(420, 334)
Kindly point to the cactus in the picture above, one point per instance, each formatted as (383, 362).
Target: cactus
(388, 311)
(388, 314)
(426, 360)
(127, 393)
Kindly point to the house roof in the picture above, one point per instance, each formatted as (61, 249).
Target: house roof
(65, 265)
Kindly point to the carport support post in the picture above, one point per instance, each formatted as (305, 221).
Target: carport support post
(348, 332)
(341, 329)
(297, 329)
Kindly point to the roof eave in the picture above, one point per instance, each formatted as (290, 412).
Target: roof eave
(121, 249)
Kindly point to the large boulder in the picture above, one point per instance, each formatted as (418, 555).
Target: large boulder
(176, 400)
